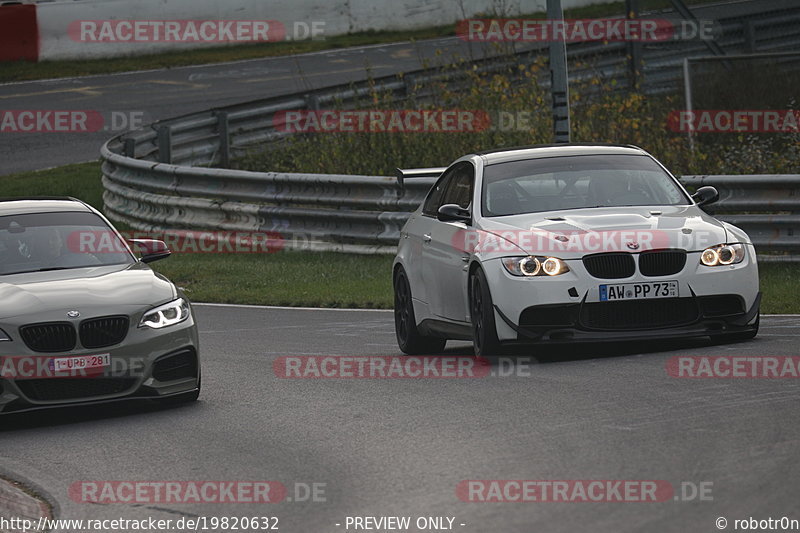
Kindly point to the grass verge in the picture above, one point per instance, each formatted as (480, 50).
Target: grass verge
(80, 180)
(309, 279)
(299, 278)
(779, 285)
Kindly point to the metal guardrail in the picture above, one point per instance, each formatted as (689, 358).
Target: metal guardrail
(360, 214)
(157, 178)
(364, 214)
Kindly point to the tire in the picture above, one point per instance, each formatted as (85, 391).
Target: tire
(739, 335)
(409, 339)
(186, 397)
(484, 329)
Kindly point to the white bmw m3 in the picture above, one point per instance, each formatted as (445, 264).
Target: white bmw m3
(568, 243)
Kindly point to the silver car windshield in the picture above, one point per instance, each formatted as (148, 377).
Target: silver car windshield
(40, 242)
(575, 182)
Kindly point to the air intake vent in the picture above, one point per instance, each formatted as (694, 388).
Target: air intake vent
(178, 365)
(722, 305)
(639, 314)
(55, 389)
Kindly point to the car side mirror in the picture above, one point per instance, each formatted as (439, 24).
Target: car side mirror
(453, 213)
(705, 195)
(151, 249)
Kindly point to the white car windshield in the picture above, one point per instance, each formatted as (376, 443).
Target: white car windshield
(39, 242)
(575, 182)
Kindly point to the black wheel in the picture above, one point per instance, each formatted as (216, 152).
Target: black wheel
(484, 329)
(186, 397)
(739, 335)
(405, 323)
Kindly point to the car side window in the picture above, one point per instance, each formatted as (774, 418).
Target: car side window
(459, 189)
(434, 200)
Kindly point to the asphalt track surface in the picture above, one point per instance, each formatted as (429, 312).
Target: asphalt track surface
(399, 447)
(155, 95)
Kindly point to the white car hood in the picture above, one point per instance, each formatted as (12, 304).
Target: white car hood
(577, 232)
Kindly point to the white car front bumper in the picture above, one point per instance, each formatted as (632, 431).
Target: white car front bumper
(567, 307)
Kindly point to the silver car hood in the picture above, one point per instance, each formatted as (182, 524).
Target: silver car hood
(577, 232)
(87, 290)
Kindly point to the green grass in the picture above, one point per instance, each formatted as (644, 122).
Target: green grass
(287, 278)
(299, 278)
(24, 71)
(779, 285)
(81, 180)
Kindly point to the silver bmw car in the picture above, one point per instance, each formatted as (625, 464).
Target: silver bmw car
(567, 243)
(82, 318)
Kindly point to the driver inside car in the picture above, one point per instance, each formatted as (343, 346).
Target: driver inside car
(49, 250)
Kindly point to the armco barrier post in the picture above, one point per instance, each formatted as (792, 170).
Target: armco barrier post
(130, 148)
(224, 139)
(165, 144)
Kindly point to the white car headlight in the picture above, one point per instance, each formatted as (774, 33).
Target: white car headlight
(4, 337)
(165, 315)
(531, 266)
(723, 255)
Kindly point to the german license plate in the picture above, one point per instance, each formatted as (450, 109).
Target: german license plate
(639, 291)
(82, 362)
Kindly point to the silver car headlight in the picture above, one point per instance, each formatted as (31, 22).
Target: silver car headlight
(723, 255)
(531, 266)
(166, 315)
(4, 337)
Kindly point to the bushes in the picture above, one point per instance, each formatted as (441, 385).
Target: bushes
(599, 114)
